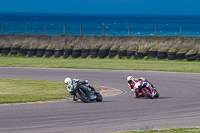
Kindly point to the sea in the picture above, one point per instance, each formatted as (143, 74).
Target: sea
(100, 24)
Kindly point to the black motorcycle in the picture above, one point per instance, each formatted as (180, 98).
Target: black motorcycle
(85, 94)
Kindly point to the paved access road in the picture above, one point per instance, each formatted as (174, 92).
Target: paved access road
(178, 105)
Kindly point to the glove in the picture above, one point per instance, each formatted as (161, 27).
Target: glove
(143, 79)
(153, 86)
(76, 80)
(86, 81)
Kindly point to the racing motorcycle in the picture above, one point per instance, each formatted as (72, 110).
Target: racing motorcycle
(145, 92)
(85, 94)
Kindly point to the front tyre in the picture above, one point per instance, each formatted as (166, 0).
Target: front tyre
(99, 97)
(157, 94)
(147, 94)
(82, 95)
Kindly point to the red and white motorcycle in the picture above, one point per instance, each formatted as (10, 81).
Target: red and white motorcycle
(145, 92)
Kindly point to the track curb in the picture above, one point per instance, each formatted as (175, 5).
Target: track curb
(107, 91)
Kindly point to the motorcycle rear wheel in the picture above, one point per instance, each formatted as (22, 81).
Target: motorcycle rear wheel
(147, 94)
(82, 95)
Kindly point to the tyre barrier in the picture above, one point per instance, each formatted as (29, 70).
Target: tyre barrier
(85, 53)
(5, 51)
(14, 50)
(23, 51)
(67, 53)
(49, 53)
(32, 52)
(103, 53)
(40, 52)
(198, 56)
(171, 55)
(180, 56)
(94, 53)
(161, 55)
(122, 53)
(130, 54)
(152, 54)
(191, 57)
(76, 53)
(112, 53)
(58, 53)
(140, 55)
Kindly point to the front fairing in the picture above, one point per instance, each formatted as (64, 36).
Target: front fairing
(87, 90)
(91, 94)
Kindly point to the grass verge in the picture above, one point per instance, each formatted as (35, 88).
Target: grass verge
(25, 90)
(172, 130)
(114, 64)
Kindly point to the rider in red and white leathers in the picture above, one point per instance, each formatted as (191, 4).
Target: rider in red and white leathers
(140, 83)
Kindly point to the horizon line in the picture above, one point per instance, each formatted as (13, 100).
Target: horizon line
(102, 13)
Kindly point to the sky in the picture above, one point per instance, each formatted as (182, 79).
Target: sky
(102, 6)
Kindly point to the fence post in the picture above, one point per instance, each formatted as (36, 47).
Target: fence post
(180, 31)
(80, 30)
(155, 31)
(64, 29)
(128, 30)
(26, 29)
(2, 29)
(103, 30)
(45, 30)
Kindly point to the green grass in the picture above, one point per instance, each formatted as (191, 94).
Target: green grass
(25, 90)
(114, 64)
(172, 130)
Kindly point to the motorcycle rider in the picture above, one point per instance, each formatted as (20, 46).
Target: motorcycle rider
(74, 83)
(141, 82)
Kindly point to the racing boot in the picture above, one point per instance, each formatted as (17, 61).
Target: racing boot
(153, 86)
(75, 98)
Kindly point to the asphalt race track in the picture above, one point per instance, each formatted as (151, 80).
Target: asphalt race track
(178, 105)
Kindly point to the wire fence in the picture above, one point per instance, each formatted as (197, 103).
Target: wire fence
(103, 32)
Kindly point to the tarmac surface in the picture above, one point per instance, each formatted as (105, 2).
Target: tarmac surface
(177, 106)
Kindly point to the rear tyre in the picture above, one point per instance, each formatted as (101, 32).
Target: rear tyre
(147, 94)
(82, 95)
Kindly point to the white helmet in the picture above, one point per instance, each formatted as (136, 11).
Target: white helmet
(130, 79)
(68, 81)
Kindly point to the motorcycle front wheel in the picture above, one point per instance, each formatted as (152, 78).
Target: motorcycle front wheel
(157, 94)
(82, 95)
(147, 94)
(99, 97)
